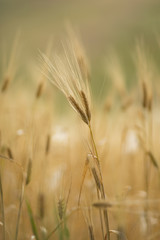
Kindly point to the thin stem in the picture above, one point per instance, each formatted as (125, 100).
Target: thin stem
(98, 161)
(102, 186)
(20, 209)
(94, 144)
(100, 215)
(96, 152)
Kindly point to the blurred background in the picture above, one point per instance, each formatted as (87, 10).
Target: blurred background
(40, 127)
(102, 25)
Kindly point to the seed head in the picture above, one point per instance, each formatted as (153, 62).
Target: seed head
(68, 75)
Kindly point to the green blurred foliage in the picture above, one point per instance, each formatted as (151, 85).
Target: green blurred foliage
(102, 25)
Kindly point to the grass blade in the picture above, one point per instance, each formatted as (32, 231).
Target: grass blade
(33, 224)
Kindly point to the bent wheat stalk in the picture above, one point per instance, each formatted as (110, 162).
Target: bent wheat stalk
(66, 74)
(102, 186)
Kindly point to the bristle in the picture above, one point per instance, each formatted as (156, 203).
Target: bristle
(86, 105)
(83, 67)
(80, 54)
(78, 109)
(69, 74)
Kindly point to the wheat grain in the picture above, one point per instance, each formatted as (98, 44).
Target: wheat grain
(78, 109)
(61, 208)
(86, 105)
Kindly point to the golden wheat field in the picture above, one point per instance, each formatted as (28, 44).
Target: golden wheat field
(79, 120)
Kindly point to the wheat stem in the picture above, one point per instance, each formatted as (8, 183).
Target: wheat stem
(102, 186)
(19, 210)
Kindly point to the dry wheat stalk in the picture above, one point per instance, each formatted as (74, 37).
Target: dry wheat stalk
(96, 178)
(67, 75)
(87, 214)
(80, 54)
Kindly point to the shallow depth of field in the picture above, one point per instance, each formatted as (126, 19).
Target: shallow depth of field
(80, 166)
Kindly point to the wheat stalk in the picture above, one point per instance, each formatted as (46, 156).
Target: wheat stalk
(66, 74)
